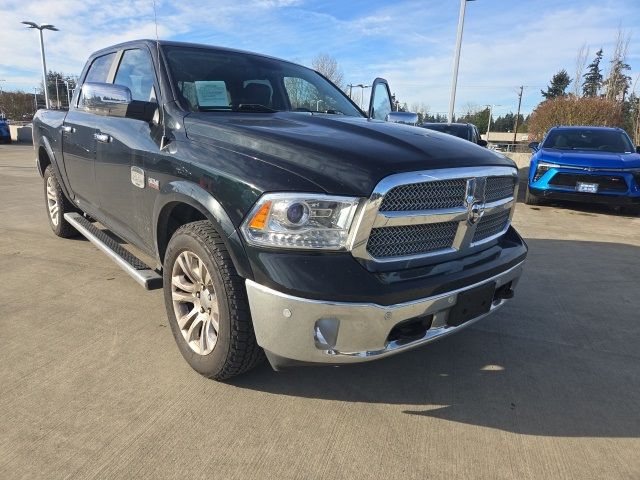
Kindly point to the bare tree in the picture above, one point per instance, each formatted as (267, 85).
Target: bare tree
(581, 61)
(617, 82)
(328, 66)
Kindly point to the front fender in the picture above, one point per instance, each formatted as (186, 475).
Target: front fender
(185, 192)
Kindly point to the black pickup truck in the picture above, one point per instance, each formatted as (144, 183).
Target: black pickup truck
(281, 218)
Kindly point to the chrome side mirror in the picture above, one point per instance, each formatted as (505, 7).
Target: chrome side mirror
(105, 99)
(407, 118)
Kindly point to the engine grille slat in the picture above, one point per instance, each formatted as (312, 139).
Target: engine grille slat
(490, 225)
(434, 195)
(411, 239)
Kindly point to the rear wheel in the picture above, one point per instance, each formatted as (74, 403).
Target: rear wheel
(57, 205)
(531, 199)
(207, 305)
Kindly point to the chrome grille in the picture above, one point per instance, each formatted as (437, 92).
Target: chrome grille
(490, 225)
(498, 188)
(435, 212)
(425, 196)
(411, 239)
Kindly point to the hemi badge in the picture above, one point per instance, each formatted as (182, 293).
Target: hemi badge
(153, 183)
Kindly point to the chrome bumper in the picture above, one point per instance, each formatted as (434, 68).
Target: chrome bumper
(313, 331)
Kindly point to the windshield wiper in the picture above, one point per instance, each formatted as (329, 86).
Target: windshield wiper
(254, 107)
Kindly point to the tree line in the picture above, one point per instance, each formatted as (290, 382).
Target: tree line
(597, 98)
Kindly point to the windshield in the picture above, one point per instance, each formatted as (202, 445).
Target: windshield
(215, 80)
(589, 139)
(461, 131)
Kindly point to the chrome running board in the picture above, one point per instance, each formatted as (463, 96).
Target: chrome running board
(140, 271)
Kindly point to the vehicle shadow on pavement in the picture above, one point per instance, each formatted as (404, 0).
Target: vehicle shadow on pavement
(561, 359)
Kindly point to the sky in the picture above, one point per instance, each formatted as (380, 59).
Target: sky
(506, 43)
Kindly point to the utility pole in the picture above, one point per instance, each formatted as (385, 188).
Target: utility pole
(57, 94)
(515, 128)
(66, 82)
(35, 98)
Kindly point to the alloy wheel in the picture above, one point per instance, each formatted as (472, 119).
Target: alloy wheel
(195, 303)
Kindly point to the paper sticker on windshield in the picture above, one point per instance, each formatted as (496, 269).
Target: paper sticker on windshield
(212, 93)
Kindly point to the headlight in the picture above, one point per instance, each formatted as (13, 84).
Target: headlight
(294, 220)
(543, 167)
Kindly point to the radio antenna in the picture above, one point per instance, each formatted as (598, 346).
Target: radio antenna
(164, 140)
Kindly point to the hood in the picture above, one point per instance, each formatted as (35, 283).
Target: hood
(342, 155)
(590, 159)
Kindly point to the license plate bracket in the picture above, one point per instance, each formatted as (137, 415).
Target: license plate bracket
(472, 304)
(586, 187)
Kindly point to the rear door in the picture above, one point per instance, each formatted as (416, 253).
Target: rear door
(78, 138)
(121, 181)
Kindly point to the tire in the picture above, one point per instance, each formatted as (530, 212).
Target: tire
(531, 199)
(203, 296)
(57, 205)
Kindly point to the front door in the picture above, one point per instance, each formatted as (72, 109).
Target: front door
(123, 144)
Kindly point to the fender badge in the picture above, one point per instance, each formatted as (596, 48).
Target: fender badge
(137, 177)
(153, 183)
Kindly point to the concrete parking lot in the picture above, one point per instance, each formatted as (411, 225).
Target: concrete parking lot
(93, 386)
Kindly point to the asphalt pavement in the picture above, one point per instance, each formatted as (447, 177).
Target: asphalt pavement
(92, 384)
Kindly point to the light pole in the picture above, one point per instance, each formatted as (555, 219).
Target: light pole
(362, 87)
(490, 116)
(1, 111)
(318, 104)
(456, 58)
(40, 28)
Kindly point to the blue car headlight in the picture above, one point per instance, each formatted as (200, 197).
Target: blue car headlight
(542, 168)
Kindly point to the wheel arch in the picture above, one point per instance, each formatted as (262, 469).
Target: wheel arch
(183, 202)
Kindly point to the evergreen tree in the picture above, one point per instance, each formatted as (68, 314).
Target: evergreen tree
(593, 77)
(558, 85)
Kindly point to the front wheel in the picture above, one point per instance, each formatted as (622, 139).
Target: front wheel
(57, 205)
(207, 304)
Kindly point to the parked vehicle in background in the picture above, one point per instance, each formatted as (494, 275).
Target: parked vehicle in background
(5, 133)
(597, 165)
(314, 236)
(467, 131)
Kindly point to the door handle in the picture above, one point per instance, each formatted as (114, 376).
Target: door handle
(102, 137)
(68, 129)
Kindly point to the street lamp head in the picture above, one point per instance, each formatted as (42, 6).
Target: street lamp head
(46, 26)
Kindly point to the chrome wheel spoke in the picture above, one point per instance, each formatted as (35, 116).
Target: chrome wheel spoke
(183, 283)
(184, 320)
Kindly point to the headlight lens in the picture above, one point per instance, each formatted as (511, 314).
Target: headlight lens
(294, 220)
(543, 167)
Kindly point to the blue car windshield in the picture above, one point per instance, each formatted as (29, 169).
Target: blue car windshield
(589, 140)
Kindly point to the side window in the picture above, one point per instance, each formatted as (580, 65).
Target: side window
(304, 96)
(136, 72)
(99, 69)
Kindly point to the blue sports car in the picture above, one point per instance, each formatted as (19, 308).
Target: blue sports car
(585, 164)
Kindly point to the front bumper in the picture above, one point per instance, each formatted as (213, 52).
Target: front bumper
(302, 330)
(589, 198)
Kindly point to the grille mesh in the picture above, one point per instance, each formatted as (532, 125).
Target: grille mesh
(425, 196)
(498, 188)
(490, 225)
(411, 239)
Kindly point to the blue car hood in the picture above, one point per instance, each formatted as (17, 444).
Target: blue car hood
(590, 159)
